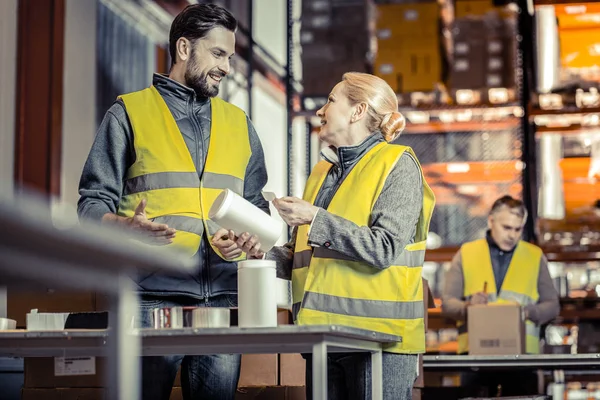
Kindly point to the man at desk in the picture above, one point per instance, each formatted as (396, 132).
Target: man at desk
(510, 269)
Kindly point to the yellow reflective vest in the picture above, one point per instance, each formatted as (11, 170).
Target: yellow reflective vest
(519, 286)
(164, 172)
(330, 288)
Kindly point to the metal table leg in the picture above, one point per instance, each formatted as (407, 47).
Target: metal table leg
(377, 375)
(3, 302)
(124, 346)
(319, 371)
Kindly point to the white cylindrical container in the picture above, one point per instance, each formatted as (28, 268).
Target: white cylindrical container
(548, 47)
(235, 213)
(257, 294)
(551, 203)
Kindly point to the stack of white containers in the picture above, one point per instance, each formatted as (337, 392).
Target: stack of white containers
(259, 290)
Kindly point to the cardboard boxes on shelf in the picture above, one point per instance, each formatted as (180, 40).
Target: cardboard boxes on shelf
(484, 53)
(470, 8)
(335, 39)
(579, 33)
(408, 46)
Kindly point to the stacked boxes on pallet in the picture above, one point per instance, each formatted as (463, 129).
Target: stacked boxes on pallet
(335, 39)
(408, 45)
(484, 47)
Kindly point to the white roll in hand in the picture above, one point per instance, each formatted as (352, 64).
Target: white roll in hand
(233, 212)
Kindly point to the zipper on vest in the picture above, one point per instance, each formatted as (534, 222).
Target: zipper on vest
(200, 156)
(200, 162)
(334, 188)
(205, 273)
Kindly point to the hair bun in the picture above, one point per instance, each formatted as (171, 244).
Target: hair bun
(392, 125)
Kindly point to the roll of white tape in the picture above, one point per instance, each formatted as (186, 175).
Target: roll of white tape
(233, 212)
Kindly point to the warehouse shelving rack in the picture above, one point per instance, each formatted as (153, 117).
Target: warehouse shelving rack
(426, 119)
(525, 116)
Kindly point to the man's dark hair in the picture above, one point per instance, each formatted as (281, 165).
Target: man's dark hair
(195, 21)
(514, 205)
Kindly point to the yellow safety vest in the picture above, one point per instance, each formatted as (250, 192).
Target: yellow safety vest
(519, 286)
(164, 172)
(330, 288)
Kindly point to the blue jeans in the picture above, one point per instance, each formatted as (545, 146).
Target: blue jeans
(202, 377)
(349, 376)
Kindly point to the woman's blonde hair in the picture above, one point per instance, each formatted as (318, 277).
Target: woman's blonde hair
(382, 110)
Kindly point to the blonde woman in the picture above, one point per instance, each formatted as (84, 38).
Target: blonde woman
(358, 247)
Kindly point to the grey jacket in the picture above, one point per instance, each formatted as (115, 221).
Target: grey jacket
(394, 216)
(454, 305)
(113, 152)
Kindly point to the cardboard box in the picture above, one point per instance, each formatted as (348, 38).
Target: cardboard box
(261, 393)
(578, 48)
(63, 394)
(292, 370)
(484, 53)
(410, 19)
(263, 376)
(284, 317)
(295, 393)
(41, 373)
(496, 329)
(411, 67)
(271, 393)
(259, 370)
(465, 8)
(263, 369)
(468, 72)
(257, 393)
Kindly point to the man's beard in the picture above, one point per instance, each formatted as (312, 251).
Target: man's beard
(200, 85)
(199, 82)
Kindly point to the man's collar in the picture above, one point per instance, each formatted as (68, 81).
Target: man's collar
(175, 88)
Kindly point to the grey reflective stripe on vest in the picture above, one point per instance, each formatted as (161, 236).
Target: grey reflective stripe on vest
(363, 308)
(213, 227)
(323, 252)
(520, 298)
(161, 180)
(187, 224)
(406, 259)
(220, 181)
(182, 223)
(414, 258)
(530, 329)
(302, 259)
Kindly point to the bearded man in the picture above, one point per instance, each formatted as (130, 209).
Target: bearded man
(160, 157)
